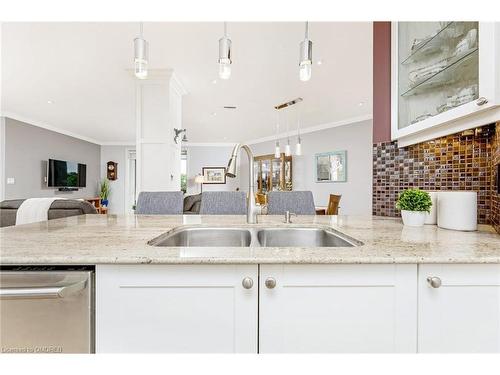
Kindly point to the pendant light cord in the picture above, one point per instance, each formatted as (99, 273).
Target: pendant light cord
(299, 110)
(287, 132)
(277, 123)
(225, 29)
(141, 28)
(307, 29)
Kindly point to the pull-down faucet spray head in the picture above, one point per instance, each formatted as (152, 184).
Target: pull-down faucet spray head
(232, 172)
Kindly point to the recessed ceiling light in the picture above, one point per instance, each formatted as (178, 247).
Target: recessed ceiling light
(214, 113)
(361, 104)
(214, 81)
(50, 102)
(320, 62)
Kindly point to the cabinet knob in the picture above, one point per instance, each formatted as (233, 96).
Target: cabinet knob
(270, 282)
(434, 281)
(247, 283)
(481, 101)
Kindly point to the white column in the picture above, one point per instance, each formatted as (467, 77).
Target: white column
(2, 158)
(158, 112)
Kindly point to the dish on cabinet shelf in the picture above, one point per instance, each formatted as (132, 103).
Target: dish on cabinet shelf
(452, 72)
(436, 41)
(421, 117)
(465, 95)
(421, 74)
(466, 44)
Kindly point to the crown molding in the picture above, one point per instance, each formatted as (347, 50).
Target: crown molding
(156, 76)
(55, 129)
(153, 75)
(209, 144)
(312, 129)
(46, 126)
(306, 130)
(124, 143)
(177, 85)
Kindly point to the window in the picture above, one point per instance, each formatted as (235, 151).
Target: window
(131, 181)
(184, 170)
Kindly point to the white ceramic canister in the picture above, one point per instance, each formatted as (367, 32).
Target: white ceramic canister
(431, 217)
(457, 210)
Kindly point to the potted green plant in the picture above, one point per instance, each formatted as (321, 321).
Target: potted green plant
(414, 204)
(104, 191)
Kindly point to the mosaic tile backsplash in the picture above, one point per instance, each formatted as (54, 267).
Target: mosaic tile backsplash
(460, 161)
(495, 197)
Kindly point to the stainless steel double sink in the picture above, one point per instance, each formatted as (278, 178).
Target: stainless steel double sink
(254, 236)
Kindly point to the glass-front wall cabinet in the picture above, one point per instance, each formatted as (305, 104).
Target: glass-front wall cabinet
(273, 174)
(438, 68)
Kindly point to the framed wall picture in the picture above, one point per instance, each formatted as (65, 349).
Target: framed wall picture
(331, 166)
(214, 175)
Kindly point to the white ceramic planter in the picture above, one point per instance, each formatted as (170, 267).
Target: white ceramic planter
(413, 218)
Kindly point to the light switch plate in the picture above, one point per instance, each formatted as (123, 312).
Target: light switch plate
(11, 180)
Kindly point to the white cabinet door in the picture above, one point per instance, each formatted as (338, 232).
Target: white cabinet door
(338, 308)
(463, 313)
(176, 308)
(452, 112)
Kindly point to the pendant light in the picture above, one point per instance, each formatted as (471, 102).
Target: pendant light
(141, 56)
(224, 55)
(288, 151)
(277, 151)
(298, 146)
(305, 65)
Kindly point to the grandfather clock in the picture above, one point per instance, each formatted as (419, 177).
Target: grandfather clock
(112, 170)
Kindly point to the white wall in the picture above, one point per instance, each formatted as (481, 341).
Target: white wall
(117, 197)
(209, 156)
(27, 149)
(357, 191)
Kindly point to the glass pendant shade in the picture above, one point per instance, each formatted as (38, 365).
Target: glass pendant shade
(298, 148)
(305, 71)
(305, 59)
(224, 70)
(277, 151)
(224, 58)
(140, 58)
(288, 150)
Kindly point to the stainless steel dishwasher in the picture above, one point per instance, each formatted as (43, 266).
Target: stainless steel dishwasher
(46, 310)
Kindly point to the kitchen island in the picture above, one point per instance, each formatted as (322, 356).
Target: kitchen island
(120, 239)
(398, 289)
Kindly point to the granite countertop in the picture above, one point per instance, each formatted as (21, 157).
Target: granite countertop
(101, 239)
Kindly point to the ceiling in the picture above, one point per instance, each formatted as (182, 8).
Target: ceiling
(76, 77)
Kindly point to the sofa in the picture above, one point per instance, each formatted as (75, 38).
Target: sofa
(192, 204)
(59, 208)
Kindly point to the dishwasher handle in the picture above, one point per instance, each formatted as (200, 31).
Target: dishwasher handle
(43, 292)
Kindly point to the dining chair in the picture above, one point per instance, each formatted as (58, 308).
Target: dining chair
(333, 204)
(298, 202)
(159, 203)
(261, 198)
(223, 203)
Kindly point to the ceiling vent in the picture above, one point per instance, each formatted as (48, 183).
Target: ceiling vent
(229, 107)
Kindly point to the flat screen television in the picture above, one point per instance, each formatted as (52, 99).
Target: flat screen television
(62, 173)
